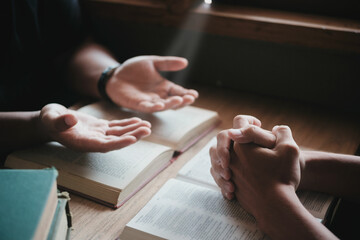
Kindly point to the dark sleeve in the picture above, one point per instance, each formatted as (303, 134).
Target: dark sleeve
(41, 33)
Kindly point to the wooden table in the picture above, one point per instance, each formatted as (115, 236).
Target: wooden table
(312, 128)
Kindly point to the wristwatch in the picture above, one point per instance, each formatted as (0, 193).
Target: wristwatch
(104, 78)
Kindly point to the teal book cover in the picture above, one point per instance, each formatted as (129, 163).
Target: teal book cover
(28, 200)
(62, 222)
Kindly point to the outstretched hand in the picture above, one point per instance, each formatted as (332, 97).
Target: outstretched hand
(138, 85)
(82, 132)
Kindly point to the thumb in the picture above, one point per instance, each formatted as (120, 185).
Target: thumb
(56, 117)
(170, 63)
(65, 121)
(283, 135)
(253, 134)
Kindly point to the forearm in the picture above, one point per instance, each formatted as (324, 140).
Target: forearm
(284, 217)
(86, 66)
(337, 174)
(20, 129)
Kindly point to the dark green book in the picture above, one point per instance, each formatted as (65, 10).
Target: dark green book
(28, 200)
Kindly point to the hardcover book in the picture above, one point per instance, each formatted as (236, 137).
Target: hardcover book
(28, 200)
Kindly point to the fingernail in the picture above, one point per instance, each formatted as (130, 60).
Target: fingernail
(236, 132)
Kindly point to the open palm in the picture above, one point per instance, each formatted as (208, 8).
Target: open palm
(138, 85)
(83, 132)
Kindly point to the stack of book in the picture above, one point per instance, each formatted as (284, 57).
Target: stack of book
(31, 207)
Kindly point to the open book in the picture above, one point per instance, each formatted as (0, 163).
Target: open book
(191, 207)
(177, 129)
(114, 177)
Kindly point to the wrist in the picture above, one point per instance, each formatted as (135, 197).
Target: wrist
(43, 135)
(279, 205)
(106, 75)
(272, 203)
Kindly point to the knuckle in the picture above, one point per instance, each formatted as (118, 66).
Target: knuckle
(239, 118)
(221, 135)
(283, 128)
(249, 130)
(290, 149)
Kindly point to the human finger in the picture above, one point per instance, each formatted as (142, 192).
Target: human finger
(139, 133)
(284, 140)
(150, 107)
(216, 165)
(227, 188)
(177, 90)
(65, 121)
(241, 121)
(186, 100)
(169, 63)
(283, 134)
(173, 102)
(253, 134)
(223, 148)
(119, 130)
(111, 143)
(124, 122)
(57, 117)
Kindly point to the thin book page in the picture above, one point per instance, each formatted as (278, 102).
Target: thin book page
(182, 210)
(197, 170)
(170, 128)
(316, 203)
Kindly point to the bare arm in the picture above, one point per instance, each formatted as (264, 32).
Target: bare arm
(86, 66)
(337, 174)
(137, 84)
(265, 183)
(282, 216)
(73, 129)
(20, 129)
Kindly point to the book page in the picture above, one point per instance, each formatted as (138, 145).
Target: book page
(181, 210)
(198, 168)
(173, 128)
(316, 203)
(116, 168)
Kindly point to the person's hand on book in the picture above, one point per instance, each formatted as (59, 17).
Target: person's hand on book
(138, 85)
(244, 131)
(82, 132)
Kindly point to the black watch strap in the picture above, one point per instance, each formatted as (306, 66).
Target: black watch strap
(104, 78)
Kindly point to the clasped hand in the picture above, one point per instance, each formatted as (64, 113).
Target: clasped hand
(260, 162)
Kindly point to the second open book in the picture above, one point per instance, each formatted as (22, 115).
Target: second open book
(191, 207)
(114, 177)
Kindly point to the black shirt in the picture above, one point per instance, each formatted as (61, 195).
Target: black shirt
(41, 35)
